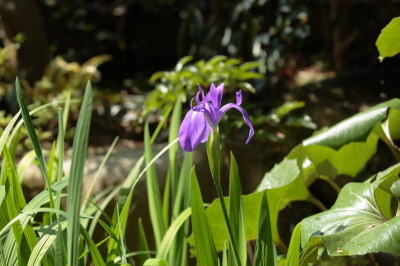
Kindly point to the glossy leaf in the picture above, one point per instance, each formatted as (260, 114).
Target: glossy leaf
(356, 224)
(353, 129)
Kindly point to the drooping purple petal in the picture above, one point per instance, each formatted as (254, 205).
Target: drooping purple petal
(239, 97)
(198, 100)
(193, 130)
(246, 117)
(214, 96)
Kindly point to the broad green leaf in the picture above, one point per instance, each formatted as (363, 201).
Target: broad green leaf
(215, 60)
(293, 255)
(354, 129)
(310, 254)
(281, 175)
(182, 62)
(236, 211)
(388, 42)
(288, 107)
(205, 249)
(278, 199)
(356, 224)
(248, 65)
(394, 188)
(349, 159)
(265, 252)
(79, 150)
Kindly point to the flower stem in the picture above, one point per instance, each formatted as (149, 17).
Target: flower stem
(214, 159)
(228, 224)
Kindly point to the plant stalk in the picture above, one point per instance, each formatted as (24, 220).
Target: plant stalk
(214, 159)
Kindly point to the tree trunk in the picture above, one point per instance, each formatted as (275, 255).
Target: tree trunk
(23, 16)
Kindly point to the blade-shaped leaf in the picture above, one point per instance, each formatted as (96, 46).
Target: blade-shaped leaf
(205, 249)
(236, 211)
(79, 150)
(293, 255)
(265, 252)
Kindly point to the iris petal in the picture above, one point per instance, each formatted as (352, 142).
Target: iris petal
(239, 97)
(246, 117)
(215, 95)
(193, 130)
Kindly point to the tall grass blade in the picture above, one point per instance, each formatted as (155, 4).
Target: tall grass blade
(155, 262)
(49, 235)
(5, 134)
(293, 255)
(143, 243)
(182, 201)
(173, 134)
(21, 240)
(166, 199)
(76, 175)
(60, 156)
(236, 211)
(265, 253)
(33, 137)
(94, 251)
(97, 174)
(126, 200)
(205, 248)
(153, 191)
(171, 233)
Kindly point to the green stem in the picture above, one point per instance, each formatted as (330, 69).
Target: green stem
(214, 159)
(228, 223)
(331, 182)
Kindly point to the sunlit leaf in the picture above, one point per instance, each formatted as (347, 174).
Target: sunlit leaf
(388, 42)
(356, 225)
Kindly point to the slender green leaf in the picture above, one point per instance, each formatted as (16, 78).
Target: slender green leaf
(49, 235)
(94, 251)
(236, 213)
(171, 233)
(98, 171)
(155, 262)
(173, 134)
(33, 137)
(205, 249)
(76, 175)
(265, 252)
(153, 192)
(143, 244)
(293, 255)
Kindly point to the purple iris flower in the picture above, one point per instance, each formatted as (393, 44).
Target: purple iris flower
(202, 118)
